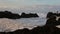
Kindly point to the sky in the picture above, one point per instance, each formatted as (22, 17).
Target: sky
(15, 3)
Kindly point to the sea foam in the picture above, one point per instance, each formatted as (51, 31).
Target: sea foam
(12, 25)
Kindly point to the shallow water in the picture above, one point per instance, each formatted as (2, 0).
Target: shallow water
(33, 21)
(11, 25)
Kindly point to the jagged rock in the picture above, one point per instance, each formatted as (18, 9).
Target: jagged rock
(22, 31)
(9, 15)
(49, 15)
(24, 15)
(51, 22)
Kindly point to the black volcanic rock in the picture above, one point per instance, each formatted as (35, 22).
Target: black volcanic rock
(7, 14)
(51, 14)
(22, 31)
(51, 21)
(24, 15)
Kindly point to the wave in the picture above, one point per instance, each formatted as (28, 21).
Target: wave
(12, 25)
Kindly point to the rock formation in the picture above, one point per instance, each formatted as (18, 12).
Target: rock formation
(24, 15)
(10, 15)
(7, 14)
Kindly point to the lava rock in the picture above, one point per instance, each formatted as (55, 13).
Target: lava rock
(9, 15)
(24, 15)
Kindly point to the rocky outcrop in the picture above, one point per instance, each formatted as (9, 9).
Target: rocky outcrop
(7, 14)
(48, 28)
(52, 19)
(51, 14)
(24, 15)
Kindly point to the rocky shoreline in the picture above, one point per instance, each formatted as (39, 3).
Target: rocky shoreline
(48, 28)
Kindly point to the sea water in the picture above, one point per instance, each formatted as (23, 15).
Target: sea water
(11, 24)
(27, 22)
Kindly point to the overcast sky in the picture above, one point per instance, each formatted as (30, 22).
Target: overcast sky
(11, 3)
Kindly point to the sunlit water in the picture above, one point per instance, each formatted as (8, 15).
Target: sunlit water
(11, 25)
(33, 21)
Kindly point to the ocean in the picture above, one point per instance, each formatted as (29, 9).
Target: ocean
(12, 25)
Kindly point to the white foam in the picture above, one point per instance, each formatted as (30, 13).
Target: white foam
(12, 25)
(41, 15)
(58, 26)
